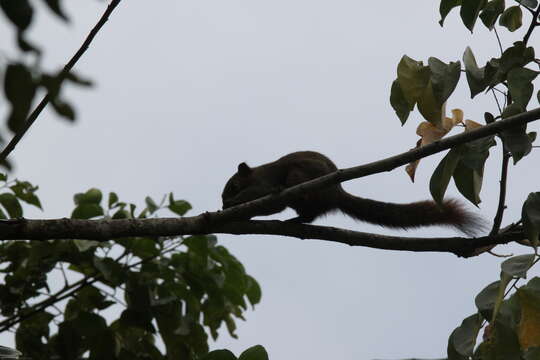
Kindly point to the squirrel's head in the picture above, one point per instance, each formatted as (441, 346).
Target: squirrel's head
(246, 185)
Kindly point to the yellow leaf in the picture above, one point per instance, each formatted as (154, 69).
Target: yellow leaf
(529, 326)
(471, 125)
(429, 133)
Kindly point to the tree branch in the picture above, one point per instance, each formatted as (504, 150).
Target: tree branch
(534, 23)
(224, 221)
(502, 194)
(67, 68)
(110, 229)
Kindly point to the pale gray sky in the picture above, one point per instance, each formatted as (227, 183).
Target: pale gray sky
(188, 89)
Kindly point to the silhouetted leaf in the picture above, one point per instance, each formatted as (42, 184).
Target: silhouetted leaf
(54, 5)
(520, 85)
(517, 266)
(530, 215)
(463, 338)
(444, 78)
(11, 204)
(445, 7)
(399, 102)
(63, 109)
(443, 173)
(475, 75)
(486, 299)
(413, 77)
(20, 12)
(76, 79)
(511, 18)
(20, 89)
(529, 3)
(515, 139)
(256, 352)
(219, 355)
(469, 12)
(468, 182)
(491, 12)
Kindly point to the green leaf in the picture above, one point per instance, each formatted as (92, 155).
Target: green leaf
(463, 338)
(503, 344)
(475, 153)
(515, 139)
(179, 207)
(219, 355)
(469, 12)
(151, 205)
(517, 266)
(532, 353)
(84, 245)
(92, 196)
(256, 352)
(445, 7)
(112, 271)
(468, 182)
(529, 3)
(86, 211)
(520, 85)
(486, 299)
(474, 74)
(399, 102)
(113, 199)
(253, 291)
(443, 173)
(20, 89)
(54, 5)
(530, 216)
(413, 77)
(12, 205)
(512, 18)
(444, 78)
(30, 333)
(491, 12)
(429, 107)
(19, 12)
(121, 214)
(26, 192)
(515, 56)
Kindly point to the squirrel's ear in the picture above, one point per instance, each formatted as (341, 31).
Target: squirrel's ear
(244, 169)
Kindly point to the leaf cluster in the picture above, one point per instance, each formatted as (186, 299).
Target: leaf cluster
(175, 290)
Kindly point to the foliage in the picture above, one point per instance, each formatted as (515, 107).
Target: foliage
(23, 78)
(510, 326)
(119, 297)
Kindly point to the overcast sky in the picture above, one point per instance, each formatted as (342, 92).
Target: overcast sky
(187, 89)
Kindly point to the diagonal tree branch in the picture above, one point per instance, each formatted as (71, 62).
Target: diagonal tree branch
(65, 71)
(223, 221)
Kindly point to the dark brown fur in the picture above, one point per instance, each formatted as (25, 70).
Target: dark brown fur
(295, 168)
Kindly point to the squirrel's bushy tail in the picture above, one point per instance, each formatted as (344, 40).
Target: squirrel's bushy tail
(412, 215)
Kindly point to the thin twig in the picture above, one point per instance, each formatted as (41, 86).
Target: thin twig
(502, 194)
(533, 24)
(65, 71)
(496, 100)
(498, 39)
(6, 324)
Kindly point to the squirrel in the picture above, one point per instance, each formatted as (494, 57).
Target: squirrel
(251, 183)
